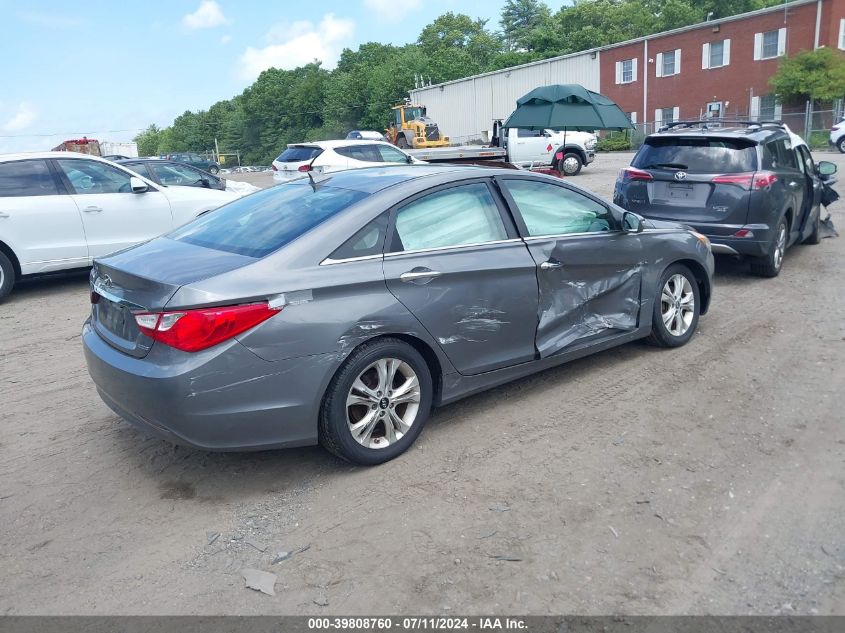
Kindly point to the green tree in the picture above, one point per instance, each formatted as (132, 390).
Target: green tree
(519, 19)
(814, 75)
(148, 141)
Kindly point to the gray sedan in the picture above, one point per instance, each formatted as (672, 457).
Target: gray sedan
(340, 310)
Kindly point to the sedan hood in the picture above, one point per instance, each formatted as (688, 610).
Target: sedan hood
(663, 224)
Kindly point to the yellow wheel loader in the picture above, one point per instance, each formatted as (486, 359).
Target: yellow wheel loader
(412, 129)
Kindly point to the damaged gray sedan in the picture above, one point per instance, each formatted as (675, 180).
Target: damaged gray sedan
(342, 310)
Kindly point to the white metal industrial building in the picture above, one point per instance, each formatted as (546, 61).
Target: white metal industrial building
(465, 108)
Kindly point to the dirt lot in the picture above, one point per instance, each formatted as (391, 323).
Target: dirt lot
(709, 479)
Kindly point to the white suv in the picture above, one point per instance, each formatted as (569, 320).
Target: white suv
(59, 210)
(328, 156)
(837, 135)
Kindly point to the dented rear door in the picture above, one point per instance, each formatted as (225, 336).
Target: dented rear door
(588, 271)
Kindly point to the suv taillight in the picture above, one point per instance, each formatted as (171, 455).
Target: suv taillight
(632, 173)
(195, 330)
(274, 167)
(749, 181)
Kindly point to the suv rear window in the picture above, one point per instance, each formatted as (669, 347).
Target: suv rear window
(259, 224)
(299, 153)
(706, 155)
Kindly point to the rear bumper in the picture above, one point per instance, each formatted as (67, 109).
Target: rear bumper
(723, 240)
(221, 399)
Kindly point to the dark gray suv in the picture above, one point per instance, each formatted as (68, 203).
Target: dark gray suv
(752, 188)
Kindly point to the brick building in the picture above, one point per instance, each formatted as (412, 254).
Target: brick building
(717, 68)
(721, 68)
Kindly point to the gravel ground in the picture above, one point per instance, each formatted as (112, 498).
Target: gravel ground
(637, 481)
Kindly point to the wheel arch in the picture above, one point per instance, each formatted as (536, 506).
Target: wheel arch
(701, 278)
(8, 252)
(571, 148)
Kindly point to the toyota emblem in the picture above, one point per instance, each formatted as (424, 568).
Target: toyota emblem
(680, 175)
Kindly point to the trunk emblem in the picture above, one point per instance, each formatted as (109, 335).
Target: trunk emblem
(680, 175)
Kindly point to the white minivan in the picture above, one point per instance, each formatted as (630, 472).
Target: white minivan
(60, 210)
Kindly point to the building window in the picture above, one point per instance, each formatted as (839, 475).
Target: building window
(842, 34)
(770, 44)
(632, 117)
(626, 71)
(668, 63)
(768, 104)
(667, 115)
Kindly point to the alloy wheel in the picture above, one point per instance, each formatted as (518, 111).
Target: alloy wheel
(382, 403)
(570, 165)
(677, 305)
(780, 247)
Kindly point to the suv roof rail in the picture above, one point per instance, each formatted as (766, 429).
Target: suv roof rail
(705, 124)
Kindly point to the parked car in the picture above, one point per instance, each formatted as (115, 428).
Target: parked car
(330, 156)
(365, 135)
(342, 310)
(837, 135)
(115, 157)
(59, 210)
(753, 189)
(194, 160)
(168, 172)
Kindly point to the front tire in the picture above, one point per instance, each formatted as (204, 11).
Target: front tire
(214, 170)
(570, 164)
(676, 308)
(769, 265)
(7, 276)
(377, 403)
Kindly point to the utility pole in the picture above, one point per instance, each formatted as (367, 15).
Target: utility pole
(216, 150)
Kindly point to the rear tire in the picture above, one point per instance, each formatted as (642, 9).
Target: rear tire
(815, 235)
(570, 164)
(676, 308)
(770, 265)
(214, 170)
(841, 144)
(377, 403)
(7, 276)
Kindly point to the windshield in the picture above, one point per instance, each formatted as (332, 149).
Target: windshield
(414, 113)
(706, 155)
(298, 154)
(264, 222)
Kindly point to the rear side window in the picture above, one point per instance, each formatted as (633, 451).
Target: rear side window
(264, 222)
(366, 153)
(367, 241)
(298, 154)
(26, 178)
(779, 155)
(461, 215)
(704, 155)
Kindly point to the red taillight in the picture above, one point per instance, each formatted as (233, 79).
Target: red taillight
(304, 168)
(750, 181)
(195, 330)
(632, 173)
(835, 128)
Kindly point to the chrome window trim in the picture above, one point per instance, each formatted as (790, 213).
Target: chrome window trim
(456, 246)
(328, 261)
(534, 238)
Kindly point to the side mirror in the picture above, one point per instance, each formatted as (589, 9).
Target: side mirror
(632, 223)
(137, 185)
(826, 168)
(409, 160)
(205, 183)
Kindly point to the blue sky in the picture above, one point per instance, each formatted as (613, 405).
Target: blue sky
(110, 68)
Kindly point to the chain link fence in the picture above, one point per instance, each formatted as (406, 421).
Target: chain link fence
(812, 122)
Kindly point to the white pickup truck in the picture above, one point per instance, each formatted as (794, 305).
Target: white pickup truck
(567, 152)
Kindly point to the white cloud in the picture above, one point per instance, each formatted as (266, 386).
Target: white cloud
(208, 15)
(297, 44)
(385, 10)
(23, 118)
(225, 39)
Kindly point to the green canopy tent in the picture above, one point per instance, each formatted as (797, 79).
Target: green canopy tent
(567, 107)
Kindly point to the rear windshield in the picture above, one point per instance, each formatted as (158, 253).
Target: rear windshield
(264, 222)
(298, 153)
(707, 155)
